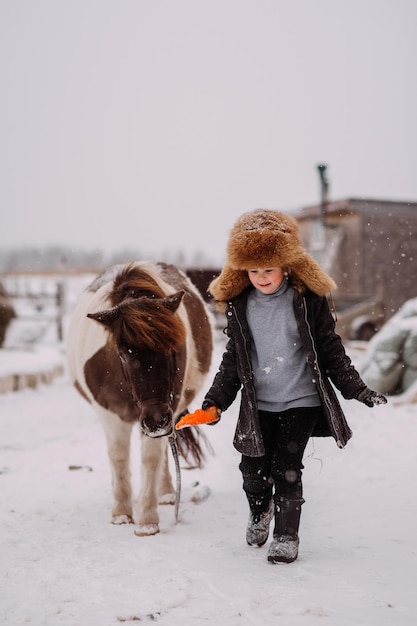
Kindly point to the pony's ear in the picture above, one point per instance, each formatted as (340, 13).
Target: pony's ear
(106, 317)
(173, 301)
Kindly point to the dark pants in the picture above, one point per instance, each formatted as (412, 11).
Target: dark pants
(278, 473)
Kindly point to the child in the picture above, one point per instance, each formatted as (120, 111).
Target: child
(282, 350)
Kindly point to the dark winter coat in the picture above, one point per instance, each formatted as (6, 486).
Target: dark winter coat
(324, 354)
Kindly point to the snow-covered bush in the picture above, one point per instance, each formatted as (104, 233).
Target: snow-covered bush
(7, 313)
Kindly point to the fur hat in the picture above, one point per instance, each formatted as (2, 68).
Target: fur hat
(266, 238)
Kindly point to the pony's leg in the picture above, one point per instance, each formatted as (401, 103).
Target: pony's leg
(152, 455)
(118, 447)
(166, 488)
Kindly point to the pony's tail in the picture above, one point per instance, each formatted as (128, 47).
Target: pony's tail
(190, 442)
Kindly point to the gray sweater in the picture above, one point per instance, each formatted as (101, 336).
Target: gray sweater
(281, 374)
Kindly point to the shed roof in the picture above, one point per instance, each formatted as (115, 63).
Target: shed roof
(360, 205)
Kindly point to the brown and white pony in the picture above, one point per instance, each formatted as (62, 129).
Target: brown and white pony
(139, 346)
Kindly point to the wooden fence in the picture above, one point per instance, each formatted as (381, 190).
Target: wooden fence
(40, 298)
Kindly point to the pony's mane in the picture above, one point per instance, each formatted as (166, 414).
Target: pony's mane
(132, 282)
(144, 321)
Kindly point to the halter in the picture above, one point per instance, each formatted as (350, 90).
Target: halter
(171, 438)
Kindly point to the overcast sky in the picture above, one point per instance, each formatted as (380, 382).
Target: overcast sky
(153, 124)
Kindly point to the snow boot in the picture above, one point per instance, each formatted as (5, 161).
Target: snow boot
(284, 546)
(257, 530)
(283, 549)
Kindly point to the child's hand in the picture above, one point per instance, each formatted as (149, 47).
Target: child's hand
(209, 406)
(211, 415)
(371, 398)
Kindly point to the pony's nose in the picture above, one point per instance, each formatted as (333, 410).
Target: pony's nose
(157, 423)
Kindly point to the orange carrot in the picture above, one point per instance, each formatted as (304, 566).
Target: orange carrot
(199, 416)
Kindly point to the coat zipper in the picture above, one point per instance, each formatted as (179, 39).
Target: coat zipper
(245, 343)
(320, 380)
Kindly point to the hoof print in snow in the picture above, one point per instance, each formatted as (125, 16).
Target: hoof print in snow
(85, 468)
(200, 493)
(153, 617)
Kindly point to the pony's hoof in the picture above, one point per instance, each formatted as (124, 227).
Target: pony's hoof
(146, 530)
(168, 498)
(122, 519)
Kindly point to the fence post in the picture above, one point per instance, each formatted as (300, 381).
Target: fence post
(60, 305)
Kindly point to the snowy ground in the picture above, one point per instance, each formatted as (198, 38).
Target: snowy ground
(64, 564)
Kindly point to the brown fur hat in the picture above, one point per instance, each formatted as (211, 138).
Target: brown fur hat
(266, 238)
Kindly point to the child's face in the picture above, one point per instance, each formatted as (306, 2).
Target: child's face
(266, 279)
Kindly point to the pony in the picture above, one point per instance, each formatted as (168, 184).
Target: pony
(139, 346)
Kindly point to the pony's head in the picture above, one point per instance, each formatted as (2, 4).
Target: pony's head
(149, 337)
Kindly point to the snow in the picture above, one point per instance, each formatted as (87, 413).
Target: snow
(64, 564)
(37, 358)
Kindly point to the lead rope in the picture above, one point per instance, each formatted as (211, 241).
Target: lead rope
(174, 450)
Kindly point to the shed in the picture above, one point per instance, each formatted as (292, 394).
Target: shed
(369, 247)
